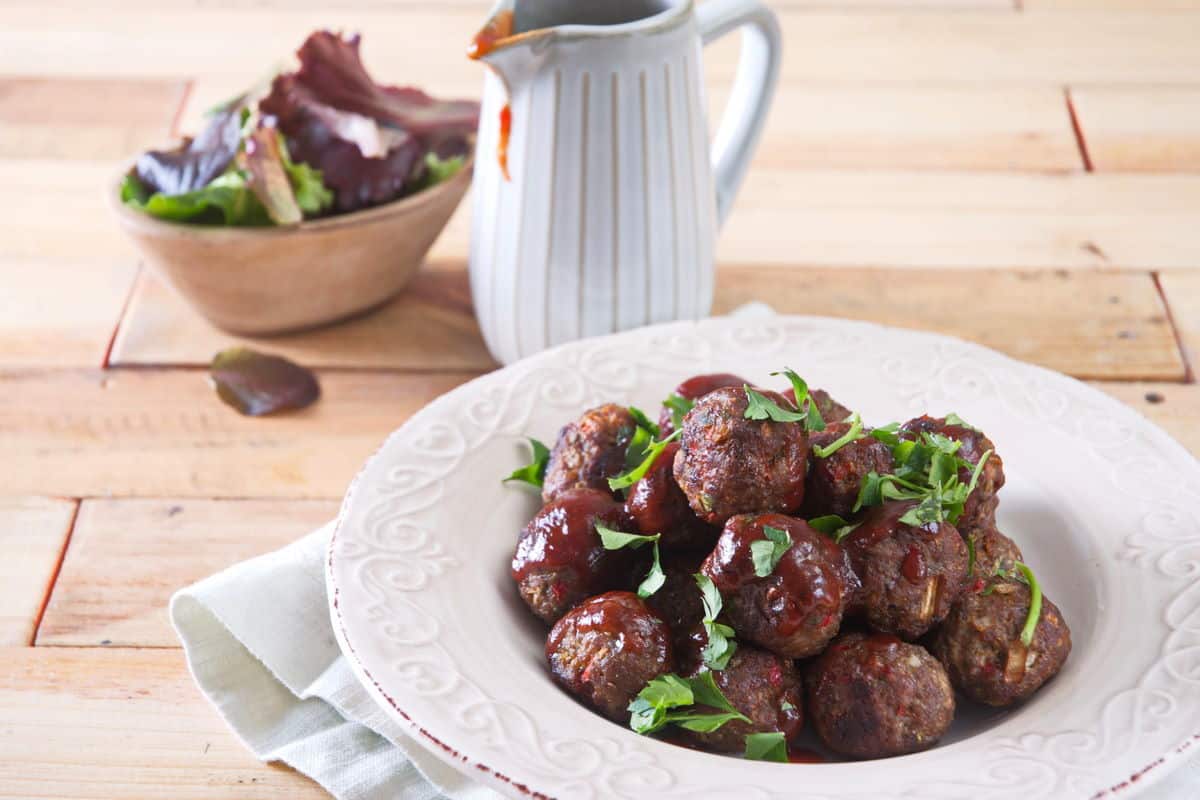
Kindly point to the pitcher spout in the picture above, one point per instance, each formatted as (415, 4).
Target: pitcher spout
(510, 52)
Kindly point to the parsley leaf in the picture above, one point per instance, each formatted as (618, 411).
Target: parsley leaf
(643, 421)
(832, 526)
(970, 556)
(679, 406)
(955, 419)
(1035, 603)
(533, 473)
(888, 434)
(721, 646)
(766, 747)
(615, 540)
(854, 434)
(804, 401)
(761, 407)
(636, 473)
(653, 708)
(765, 553)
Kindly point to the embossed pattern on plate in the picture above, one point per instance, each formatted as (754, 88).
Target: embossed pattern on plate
(1105, 505)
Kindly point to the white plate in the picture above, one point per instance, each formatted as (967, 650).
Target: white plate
(1104, 504)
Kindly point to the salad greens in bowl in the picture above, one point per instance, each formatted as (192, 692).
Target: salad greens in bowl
(313, 196)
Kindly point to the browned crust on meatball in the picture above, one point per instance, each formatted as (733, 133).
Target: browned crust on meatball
(980, 644)
(606, 649)
(693, 389)
(876, 696)
(729, 465)
(993, 551)
(589, 451)
(764, 687)
(911, 576)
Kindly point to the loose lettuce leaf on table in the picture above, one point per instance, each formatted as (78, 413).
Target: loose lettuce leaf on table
(256, 384)
(194, 164)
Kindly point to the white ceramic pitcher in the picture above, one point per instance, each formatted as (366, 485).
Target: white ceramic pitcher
(596, 201)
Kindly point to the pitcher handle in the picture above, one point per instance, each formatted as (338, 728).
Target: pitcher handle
(753, 88)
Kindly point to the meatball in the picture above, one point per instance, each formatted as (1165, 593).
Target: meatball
(993, 551)
(606, 649)
(764, 687)
(910, 575)
(589, 451)
(796, 609)
(833, 482)
(693, 389)
(980, 644)
(874, 696)
(678, 601)
(729, 465)
(658, 505)
(980, 509)
(560, 559)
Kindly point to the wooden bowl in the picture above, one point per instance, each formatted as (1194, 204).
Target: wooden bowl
(261, 281)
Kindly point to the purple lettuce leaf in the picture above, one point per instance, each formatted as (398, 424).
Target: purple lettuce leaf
(195, 163)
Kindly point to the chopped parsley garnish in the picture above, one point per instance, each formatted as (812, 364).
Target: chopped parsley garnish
(786, 706)
(854, 434)
(1022, 572)
(637, 472)
(760, 407)
(643, 421)
(970, 556)
(832, 526)
(765, 553)
(615, 540)
(533, 473)
(721, 646)
(927, 471)
(955, 419)
(679, 407)
(804, 401)
(671, 700)
(766, 747)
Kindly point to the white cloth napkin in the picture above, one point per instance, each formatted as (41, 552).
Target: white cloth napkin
(259, 643)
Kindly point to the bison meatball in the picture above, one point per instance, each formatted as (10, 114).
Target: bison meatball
(689, 392)
(979, 511)
(980, 644)
(560, 559)
(833, 482)
(606, 649)
(795, 609)
(765, 688)
(658, 505)
(729, 465)
(993, 551)
(911, 575)
(589, 451)
(874, 696)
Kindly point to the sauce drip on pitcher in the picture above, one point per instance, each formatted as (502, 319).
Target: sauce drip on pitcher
(498, 28)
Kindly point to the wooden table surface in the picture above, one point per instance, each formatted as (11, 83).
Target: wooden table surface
(1026, 176)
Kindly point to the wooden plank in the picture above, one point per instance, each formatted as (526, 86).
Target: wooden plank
(431, 326)
(916, 127)
(60, 312)
(952, 219)
(1182, 293)
(1174, 406)
(126, 724)
(426, 45)
(33, 531)
(1110, 5)
(61, 212)
(128, 556)
(72, 118)
(1106, 325)
(1109, 325)
(165, 434)
(1147, 128)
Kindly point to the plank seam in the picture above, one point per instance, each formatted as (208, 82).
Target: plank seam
(1077, 128)
(54, 575)
(189, 86)
(1189, 376)
(106, 362)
